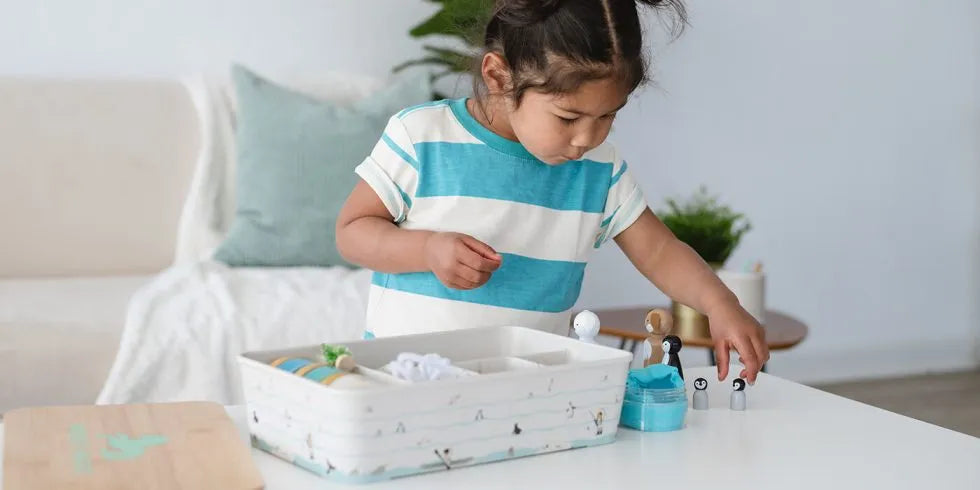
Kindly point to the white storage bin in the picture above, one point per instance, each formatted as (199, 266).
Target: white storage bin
(534, 392)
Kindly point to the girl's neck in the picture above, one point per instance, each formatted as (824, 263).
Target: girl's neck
(491, 116)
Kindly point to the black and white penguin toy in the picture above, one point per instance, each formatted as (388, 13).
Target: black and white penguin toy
(700, 394)
(738, 394)
(671, 346)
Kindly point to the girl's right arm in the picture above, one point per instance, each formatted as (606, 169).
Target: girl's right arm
(368, 236)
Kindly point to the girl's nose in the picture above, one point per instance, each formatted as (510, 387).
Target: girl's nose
(586, 139)
(581, 141)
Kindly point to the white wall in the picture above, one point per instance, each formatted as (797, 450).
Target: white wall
(847, 131)
(167, 37)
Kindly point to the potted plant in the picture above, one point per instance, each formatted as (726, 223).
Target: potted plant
(460, 22)
(713, 230)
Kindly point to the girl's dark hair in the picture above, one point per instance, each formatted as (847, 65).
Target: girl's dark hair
(557, 45)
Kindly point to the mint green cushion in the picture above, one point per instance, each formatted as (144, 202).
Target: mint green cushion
(295, 168)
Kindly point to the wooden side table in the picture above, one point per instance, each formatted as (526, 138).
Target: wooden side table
(782, 330)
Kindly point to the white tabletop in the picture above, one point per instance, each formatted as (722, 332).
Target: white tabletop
(791, 437)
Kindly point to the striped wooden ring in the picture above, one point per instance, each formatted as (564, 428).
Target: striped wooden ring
(325, 374)
(309, 367)
(333, 377)
(293, 363)
(279, 361)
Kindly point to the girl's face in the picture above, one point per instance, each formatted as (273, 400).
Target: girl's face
(557, 128)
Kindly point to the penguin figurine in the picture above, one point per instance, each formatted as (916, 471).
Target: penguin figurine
(700, 394)
(738, 394)
(671, 346)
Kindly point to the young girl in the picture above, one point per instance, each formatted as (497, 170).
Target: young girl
(485, 210)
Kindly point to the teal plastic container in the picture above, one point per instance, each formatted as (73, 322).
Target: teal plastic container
(654, 410)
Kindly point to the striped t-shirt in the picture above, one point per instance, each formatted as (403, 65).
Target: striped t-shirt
(436, 168)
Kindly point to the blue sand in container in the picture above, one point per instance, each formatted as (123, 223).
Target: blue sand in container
(655, 399)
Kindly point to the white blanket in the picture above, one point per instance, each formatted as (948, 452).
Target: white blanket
(185, 329)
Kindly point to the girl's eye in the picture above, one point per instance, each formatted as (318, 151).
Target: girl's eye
(567, 120)
(608, 116)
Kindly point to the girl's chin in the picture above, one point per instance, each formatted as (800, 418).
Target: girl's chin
(554, 160)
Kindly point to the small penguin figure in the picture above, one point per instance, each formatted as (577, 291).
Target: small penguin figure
(586, 326)
(738, 394)
(700, 394)
(671, 346)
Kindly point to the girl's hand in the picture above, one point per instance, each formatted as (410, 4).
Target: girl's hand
(460, 261)
(734, 328)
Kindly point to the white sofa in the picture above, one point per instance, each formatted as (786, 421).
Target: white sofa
(114, 193)
(93, 178)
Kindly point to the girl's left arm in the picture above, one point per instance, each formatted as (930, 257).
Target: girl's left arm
(681, 274)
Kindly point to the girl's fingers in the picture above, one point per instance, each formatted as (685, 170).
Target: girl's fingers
(482, 248)
(749, 358)
(472, 275)
(459, 282)
(761, 350)
(721, 358)
(474, 260)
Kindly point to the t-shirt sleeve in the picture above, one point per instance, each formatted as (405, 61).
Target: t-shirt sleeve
(624, 203)
(392, 169)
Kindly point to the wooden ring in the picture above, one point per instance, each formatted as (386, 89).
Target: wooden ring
(309, 367)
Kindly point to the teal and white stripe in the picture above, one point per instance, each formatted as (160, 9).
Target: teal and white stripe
(436, 168)
(521, 283)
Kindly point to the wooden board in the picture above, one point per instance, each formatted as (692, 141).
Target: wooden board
(192, 445)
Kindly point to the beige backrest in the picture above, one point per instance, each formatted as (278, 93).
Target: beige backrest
(93, 174)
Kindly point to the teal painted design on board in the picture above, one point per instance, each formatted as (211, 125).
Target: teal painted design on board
(79, 442)
(124, 448)
(121, 447)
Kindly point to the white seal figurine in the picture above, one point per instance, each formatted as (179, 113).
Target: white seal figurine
(586, 326)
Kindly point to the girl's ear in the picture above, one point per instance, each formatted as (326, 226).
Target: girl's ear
(496, 73)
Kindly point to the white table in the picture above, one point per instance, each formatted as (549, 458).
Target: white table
(791, 437)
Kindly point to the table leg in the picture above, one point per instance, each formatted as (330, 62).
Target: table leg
(622, 343)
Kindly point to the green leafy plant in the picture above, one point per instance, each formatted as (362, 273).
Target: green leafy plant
(712, 229)
(462, 20)
(332, 352)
